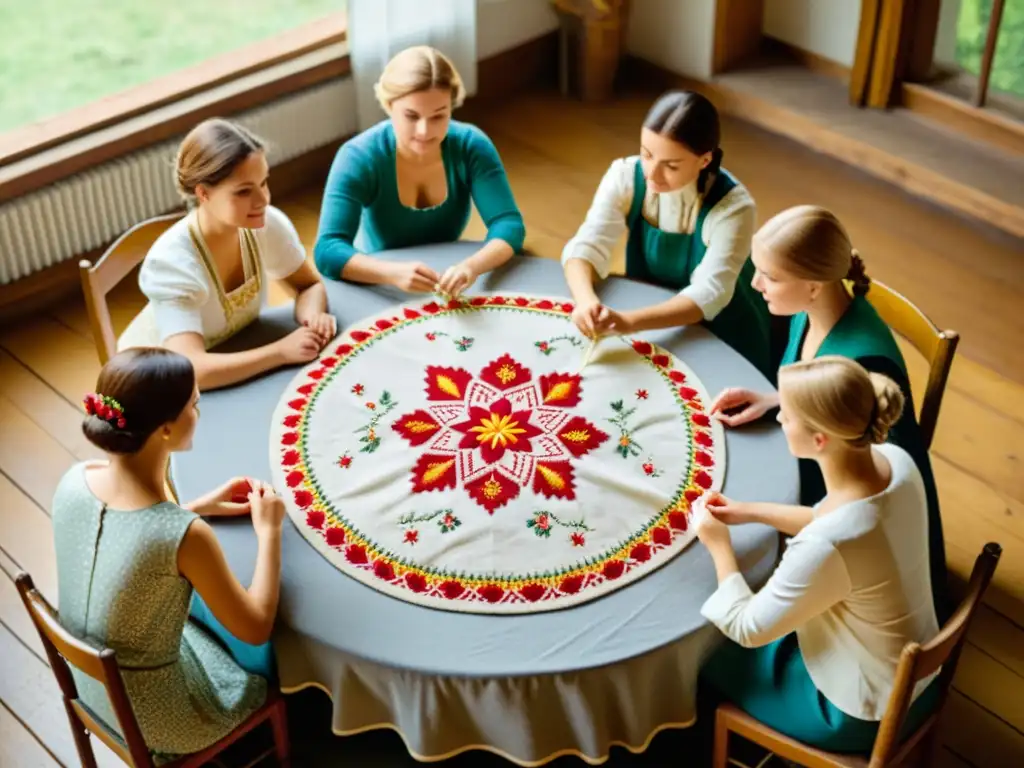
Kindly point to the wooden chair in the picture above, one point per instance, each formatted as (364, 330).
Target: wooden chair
(937, 346)
(99, 279)
(916, 663)
(62, 649)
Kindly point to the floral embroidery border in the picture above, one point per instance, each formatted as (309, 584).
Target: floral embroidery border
(398, 574)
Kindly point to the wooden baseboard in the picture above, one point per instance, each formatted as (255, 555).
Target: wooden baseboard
(772, 47)
(534, 63)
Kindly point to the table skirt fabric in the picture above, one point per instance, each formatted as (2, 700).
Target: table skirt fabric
(526, 720)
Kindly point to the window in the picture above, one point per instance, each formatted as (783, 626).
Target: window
(972, 25)
(70, 67)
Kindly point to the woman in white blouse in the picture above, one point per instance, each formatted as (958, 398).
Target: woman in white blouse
(206, 276)
(689, 224)
(815, 651)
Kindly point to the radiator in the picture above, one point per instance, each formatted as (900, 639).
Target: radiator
(93, 208)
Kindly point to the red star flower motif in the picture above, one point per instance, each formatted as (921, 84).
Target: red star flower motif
(497, 432)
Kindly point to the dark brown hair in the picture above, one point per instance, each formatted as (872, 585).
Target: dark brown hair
(689, 119)
(152, 385)
(210, 153)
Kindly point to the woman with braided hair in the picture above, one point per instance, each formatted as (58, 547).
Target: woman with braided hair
(688, 224)
(807, 269)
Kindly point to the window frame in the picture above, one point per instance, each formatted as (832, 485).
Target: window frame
(46, 151)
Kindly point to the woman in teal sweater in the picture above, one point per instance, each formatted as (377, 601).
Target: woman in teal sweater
(802, 257)
(410, 180)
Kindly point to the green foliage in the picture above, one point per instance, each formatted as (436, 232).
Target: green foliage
(1008, 62)
(56, 55)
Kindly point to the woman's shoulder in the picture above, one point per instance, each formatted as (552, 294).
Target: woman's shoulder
(172, 268)
(375, 141)
(869, 336)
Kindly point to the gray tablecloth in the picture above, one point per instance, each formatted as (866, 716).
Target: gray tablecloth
(336, 633)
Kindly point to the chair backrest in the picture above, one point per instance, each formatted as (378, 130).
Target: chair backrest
(98, 279)
(919, 661)
(62, 649)
(937, 346)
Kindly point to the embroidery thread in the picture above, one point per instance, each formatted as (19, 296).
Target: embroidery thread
(371, 438)
(626, 446)
(548, 346)
(543, 521)
(448, 523)
(462, 344)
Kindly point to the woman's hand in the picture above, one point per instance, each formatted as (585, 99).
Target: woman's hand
(712, 532)
(588, 315)
(412, 276)
(725, 509)
(456, 279)
(323, 324)
(752, 405)
(267, 509)
(300, 346)
(232, 498)
(612, 322)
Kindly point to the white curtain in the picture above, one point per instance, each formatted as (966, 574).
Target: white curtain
(378, 29)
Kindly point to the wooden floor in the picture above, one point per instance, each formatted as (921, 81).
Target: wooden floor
(967, 277)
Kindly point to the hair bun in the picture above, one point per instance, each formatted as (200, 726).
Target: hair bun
(858, 274)
(889, 402)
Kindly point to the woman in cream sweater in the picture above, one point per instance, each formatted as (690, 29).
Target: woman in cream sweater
(814, 652)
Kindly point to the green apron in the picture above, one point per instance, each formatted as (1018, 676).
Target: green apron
(863, 336)
(669, 259)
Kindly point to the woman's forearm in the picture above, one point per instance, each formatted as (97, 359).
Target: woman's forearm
(215, 370)
(789, 519)
(724, 558)
(580, 275)
(264, 590)
(492, 255)
(366, 269)
(310, 302)
(677, 311)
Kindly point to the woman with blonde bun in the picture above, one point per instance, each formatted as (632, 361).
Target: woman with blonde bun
(808, 270)
(814, 652)
(412, 179)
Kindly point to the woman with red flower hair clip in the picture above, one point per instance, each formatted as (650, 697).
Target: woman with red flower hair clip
(130, 560)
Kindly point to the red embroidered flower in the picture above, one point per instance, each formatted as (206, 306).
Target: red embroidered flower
(661, 360)
(613, 569)
(677, 376)
(382, 569)
(306, 389)
(701, 420)
(433, 307)
(412, 536)
(345, 461)
(360, 336)
(356, 554)
(358, 389)
(678, 520)
(687, 393)
(316, 373)
(492, 593)
(292, 420)
(570, 585)
(661, 535)
(641, 553)
(533, 592)
(431, 336)
(335, 536)
(383, 324)
(303, 499)
(642, 347)
(522, 301)
(641, 394)
(577, 539)
(298, 404)
(289, 438)
(343, 350)
(315, 518)
(415, 582)
(372, 406)
(329, 362)
(290, 458)
(648, 468)
(294, 478)
(703, 438)
(496, 429)
(544, 304)
(703, 459)
(452, 589)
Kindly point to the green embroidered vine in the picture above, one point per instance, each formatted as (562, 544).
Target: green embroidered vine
(381, 408)
(626, 446)
(548, 346)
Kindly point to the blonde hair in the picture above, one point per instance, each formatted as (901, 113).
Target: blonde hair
(210, 153)
(811, 244)
(837, 396)
(417, 69)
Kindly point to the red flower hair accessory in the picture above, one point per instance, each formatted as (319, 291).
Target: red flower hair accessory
(107, 408)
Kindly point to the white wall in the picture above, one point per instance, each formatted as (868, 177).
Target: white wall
(678, 35)
(825, 27)
(505, 24)
(945, 39)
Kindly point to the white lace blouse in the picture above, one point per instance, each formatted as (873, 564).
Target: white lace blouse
(185, 292)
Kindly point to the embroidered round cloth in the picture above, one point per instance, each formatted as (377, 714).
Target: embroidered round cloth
(481, 456)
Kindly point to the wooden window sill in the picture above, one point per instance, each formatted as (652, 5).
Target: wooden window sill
(46, 152)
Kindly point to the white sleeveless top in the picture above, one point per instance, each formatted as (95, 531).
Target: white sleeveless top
(185, 293)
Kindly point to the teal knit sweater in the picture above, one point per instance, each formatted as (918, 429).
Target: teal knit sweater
(361, 212)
